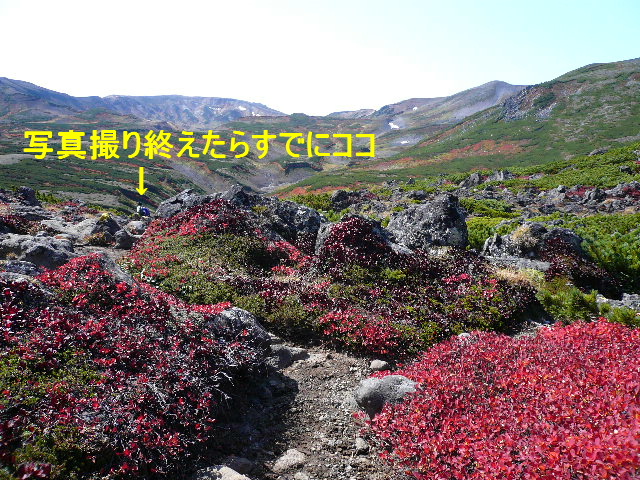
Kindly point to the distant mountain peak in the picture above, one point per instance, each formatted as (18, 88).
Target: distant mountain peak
(22, 101)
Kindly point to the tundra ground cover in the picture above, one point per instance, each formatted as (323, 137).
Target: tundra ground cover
(356, 291)
(101, 376)
(560, 405)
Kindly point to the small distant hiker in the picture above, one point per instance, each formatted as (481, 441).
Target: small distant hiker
(143, 211)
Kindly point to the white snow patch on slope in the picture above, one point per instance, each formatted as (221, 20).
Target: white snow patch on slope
(240, 107)
(393, 125)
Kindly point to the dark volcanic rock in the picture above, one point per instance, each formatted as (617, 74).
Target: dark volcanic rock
(238, 322)
(419, 195)
(123, 240)
(242, 196)
(28, 196)
(341, 199)
(599, 151)
(440, 222)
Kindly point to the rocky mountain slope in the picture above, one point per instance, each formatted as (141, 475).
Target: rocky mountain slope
(493, 125)
(401, 124)
(23, 102)
(588, 108)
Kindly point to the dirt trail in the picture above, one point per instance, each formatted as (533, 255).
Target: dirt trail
(307, 406)
(322, 424)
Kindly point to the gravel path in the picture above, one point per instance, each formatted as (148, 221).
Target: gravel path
(299, 425)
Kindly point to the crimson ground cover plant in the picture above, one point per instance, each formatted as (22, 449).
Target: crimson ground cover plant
(563, 405)
(357, 292)
(99, 375)
(16, 224)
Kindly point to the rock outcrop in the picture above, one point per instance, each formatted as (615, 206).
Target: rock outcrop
(440, 222)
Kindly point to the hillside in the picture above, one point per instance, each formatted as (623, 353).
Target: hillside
(396, 126)
(593, 107)
(25, 103)
(24, 106)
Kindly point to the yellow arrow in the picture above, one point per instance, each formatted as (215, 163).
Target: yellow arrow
(141, 190)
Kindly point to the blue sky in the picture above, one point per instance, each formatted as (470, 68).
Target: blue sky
(311, 57)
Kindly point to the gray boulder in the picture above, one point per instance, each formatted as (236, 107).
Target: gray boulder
(108, 264)
(242, 196)
(599, 151)
(379, 365)
(519, 263)
(501, 176)
(92, 226)
(181, 202)
(291, 460)
(628, 300)
(40, 250)
(472, 180)
(595, 195)
(123, 240)
(419, 195)
(373, 393)
(528, 240)
(291, 221)
(28, 196)
(440, 222)
(136, 227)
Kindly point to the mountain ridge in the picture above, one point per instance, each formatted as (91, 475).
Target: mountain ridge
(22, 101)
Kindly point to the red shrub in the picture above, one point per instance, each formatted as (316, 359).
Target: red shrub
(355, 241)
(561, 405)
(158, 371)
(17, 224)
(579, 192)
(366, 332)
(632, 192)
(218, 216)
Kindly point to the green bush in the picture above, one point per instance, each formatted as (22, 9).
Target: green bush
(481, 228)
(566, 303)
(488, 208)
(317, 201)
